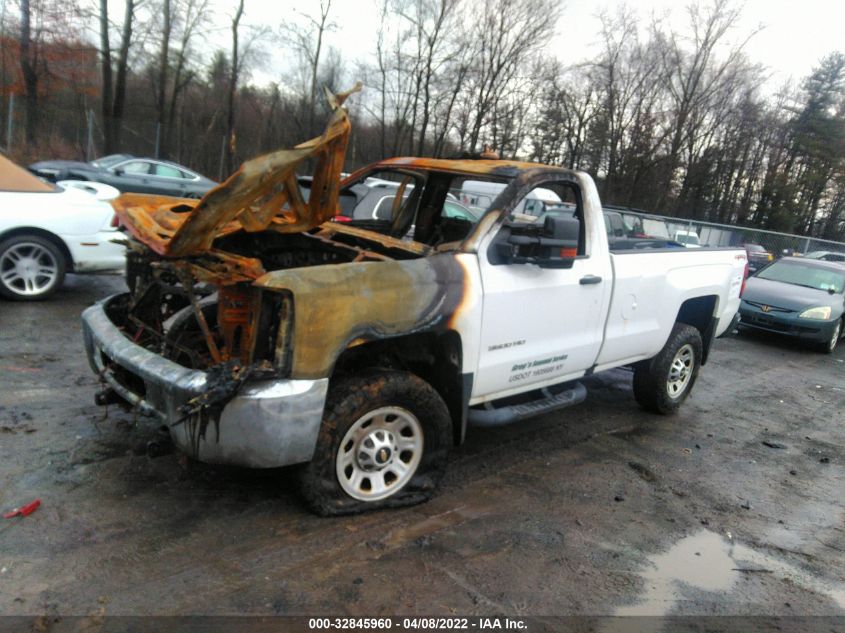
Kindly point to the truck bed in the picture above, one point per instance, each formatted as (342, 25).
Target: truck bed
(650, 283)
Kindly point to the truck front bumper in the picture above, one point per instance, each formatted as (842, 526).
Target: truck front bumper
(269, 423)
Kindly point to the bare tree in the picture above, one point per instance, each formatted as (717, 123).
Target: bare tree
(47, 39)
(506, 34)
(694, 77)
(163, 69)
(181, 21)
(307, 41)
(29, 63)
(431, 21)
(230, 93)
(114, 92)
(568, 104)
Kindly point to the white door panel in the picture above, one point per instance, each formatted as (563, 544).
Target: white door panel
(539, 323)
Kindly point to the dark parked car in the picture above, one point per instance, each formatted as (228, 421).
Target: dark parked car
(757, 257)
(797, 297)
(128, 173)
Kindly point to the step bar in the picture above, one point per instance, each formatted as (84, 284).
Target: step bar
(490, 416)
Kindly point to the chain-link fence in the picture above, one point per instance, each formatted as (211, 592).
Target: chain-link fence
(712, 234)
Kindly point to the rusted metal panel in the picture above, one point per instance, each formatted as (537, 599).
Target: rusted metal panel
(468, 167)
(331, 228)
(263, 191)
(237, 317)
(216, 267)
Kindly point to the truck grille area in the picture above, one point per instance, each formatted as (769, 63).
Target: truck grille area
(126, 379)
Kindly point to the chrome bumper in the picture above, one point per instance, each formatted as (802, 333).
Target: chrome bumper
(269, 423)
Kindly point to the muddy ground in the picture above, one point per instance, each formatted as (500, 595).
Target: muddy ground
(599, 509)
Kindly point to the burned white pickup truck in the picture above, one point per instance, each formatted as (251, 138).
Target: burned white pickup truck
(270, 325)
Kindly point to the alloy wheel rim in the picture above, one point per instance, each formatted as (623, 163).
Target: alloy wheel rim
(379, 454)
(28, 269)
(680, 371)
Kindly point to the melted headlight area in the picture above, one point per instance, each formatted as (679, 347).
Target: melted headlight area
(179, 309)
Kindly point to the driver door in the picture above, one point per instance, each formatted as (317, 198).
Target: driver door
(541, 325)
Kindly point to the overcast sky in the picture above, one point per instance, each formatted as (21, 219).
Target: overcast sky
(795, 35)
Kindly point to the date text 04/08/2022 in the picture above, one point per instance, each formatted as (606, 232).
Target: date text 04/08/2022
(420, 623)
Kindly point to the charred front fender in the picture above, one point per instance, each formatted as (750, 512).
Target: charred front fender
(336, 306)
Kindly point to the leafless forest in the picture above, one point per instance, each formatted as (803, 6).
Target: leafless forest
(668, 119)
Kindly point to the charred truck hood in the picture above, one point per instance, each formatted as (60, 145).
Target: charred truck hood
(263, 194)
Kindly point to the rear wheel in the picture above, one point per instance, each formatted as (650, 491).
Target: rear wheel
(383, 442)
(662, 383)
(31, 268)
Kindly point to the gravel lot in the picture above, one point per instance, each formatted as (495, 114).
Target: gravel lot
(599, 509)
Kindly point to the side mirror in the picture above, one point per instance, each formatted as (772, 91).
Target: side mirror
(118, 171)
(555, 247)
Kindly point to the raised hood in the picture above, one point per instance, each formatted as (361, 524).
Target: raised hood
(263, 194)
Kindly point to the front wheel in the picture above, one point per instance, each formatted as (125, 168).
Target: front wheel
(829, 346)
(31, 268)
(662, 383)
(383, 442)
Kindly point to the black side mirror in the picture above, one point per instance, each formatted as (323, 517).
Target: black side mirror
(117, 171)
(562, 228)
(556, 245)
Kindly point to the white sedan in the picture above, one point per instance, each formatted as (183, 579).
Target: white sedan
(47, 231)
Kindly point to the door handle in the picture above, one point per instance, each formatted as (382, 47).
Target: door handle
(589, 279)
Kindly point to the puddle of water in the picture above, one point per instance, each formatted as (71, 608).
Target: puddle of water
(702, 561)
(706, 561)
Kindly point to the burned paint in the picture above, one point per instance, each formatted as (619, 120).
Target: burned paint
(469, 167)
(263, 192)
(332, 228)
(340, 305)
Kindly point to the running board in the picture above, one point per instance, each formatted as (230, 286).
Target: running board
(490, 416)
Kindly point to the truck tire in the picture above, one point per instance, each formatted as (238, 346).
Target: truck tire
(383, 443)
(662, 383)
(31, 268)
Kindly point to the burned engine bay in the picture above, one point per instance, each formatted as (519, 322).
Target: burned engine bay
(205, 310)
